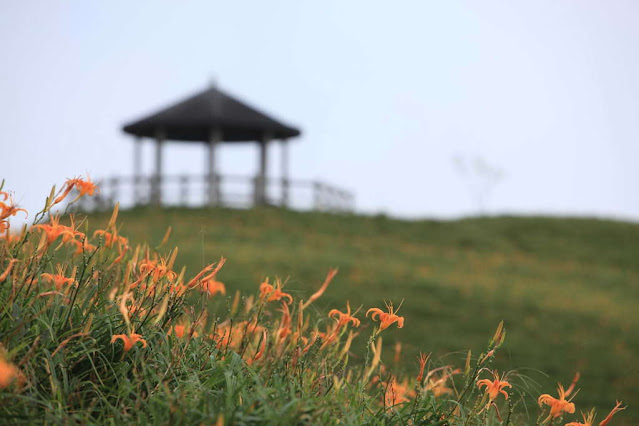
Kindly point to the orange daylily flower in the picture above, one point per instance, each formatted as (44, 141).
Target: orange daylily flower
(111, 238)
(83, 246)
(227, 334)
(58, 279)
(53, 230)
(438, 386)
(494, 387)
(128, 340)
(397, 393)
(206, 270)
(84, 187)
(589, 419)
(423, 359)
(344, 318)
(157, 268)
(285, 323)
(386, 318)
(8, 373)
(616, 409)
(135, 310)
(211, 286)
(274, 293)
(11, 209)
(180, 330)
(557, 405)
(330, 336)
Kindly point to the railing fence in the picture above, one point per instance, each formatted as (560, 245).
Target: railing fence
(220, 190)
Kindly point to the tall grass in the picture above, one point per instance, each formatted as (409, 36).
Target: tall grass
(94, 330)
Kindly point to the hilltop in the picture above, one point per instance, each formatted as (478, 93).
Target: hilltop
(566, 288)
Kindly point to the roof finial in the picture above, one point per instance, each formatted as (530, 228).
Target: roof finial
(213, 82)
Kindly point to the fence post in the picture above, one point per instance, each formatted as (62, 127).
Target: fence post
(317, 196)
(285, 192)
(184, 190)
(218, 190)
(257, 193)
(114, 182)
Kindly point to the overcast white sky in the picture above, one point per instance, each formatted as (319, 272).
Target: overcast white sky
(386, 94)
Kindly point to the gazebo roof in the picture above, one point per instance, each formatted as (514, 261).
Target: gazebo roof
(193, 120)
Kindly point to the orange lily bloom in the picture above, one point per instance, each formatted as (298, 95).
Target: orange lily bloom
(206, 270)
(386, 318)
(8, 373)
(423, 359)
(590, 418)
(157, 269)
(616, 409)
(53, 230)
(344, 318)
(227, 335)
(285, 323)
(180, 330)
(111, 238)
(83, 246)
(84, 187)
(212, 287)
(557, 405)
(438, 386)
(494, 387)
(330, 336)
(7, 210)
(128, 340)
(274, 293)
(59, 280)
(397, 393)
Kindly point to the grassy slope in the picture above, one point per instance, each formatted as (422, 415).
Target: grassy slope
(566, 288)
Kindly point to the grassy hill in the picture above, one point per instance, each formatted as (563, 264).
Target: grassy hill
(567, 289)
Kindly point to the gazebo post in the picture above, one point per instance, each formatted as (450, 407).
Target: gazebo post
(137, 169)
(157, 179)
(285, 183)
(260, 181)
(213, 195)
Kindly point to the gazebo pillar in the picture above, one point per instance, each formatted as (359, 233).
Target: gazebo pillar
(137, 170)
(260, 180)
(284, 165)
(156, 190)
(213, 184)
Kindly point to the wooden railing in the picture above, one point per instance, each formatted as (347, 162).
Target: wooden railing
(220, 191)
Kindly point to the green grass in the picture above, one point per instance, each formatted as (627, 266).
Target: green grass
(567, 289)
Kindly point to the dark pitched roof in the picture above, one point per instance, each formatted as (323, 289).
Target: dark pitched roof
(194, 118)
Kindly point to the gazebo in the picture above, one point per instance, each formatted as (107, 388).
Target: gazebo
(211, 118)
